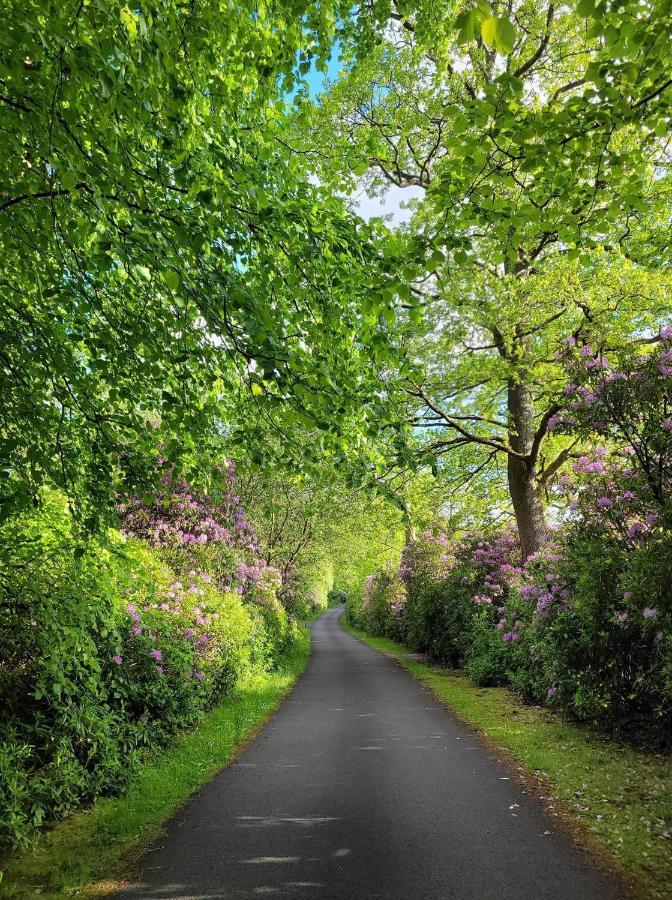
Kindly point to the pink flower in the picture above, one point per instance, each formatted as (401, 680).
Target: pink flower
(636, 529)
(136, 629)
(156, 654)
(199, 676)
(650, 613)
(118, 660)
(667, 424)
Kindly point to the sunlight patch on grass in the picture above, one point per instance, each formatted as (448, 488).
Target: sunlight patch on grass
(100, 842)
(620, 798)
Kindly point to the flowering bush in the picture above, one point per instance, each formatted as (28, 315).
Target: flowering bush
(198, 534)
(629, 401)
(109, 651)
(440, 610)
(199, 531)
(585, 624)
(382, 603)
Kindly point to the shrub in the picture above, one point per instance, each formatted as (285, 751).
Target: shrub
(110, 650)
(585, 624)
(439, 608)
(382, 603)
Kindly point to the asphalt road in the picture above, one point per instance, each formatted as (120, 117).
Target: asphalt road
(364, 786)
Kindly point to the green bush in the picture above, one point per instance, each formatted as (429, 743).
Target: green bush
(382, 603)
(439, 612)
(106, 652)
(585, 625)
(604, 655)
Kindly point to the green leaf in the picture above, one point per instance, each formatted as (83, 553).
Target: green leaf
(505, 36)
(172, 279)
(466, 25)
(488, 31)
(68, 181)
(498, 33)
(585, 8)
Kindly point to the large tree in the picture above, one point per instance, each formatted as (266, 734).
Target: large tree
(537, 136)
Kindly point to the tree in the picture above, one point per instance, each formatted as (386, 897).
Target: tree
(161, 253)
(538, 140)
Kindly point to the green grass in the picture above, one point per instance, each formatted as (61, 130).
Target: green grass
(88, 852)
(614, 798)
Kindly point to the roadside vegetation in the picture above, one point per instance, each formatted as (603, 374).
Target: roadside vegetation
(92, 850)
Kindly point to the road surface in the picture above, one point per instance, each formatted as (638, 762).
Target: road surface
(364, 786)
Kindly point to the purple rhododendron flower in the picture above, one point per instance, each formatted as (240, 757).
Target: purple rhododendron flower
(156, 654)
(650, 613)
(118, 660)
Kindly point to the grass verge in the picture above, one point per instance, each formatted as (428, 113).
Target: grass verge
(104, 840)
(614, 798)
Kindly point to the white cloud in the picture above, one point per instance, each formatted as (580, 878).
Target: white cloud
(392, 204)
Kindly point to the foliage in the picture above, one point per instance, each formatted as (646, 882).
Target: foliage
(438, 611)
(95, 843)
(586, 623)
(165, 261)
(630, 403)
(535, 153)
(106, 653)
(383, 601)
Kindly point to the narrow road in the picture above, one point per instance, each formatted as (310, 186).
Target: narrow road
(363, 786)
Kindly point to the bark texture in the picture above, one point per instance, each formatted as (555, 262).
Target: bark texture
(527, 503)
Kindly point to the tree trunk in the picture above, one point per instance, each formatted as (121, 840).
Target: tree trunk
(528, 506)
